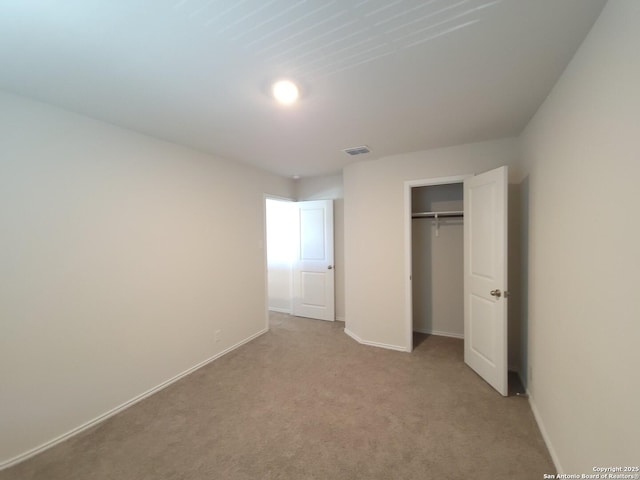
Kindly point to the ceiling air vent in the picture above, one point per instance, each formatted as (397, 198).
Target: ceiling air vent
(357, 150)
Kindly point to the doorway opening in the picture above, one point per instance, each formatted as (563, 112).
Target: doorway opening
(424, 198)
(280, 236)
(434, 303)
(300, 268)
(437, 260)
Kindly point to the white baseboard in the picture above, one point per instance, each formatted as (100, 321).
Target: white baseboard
(101, 418)
(374, 344)
(340, 318)
(545, 435)
(441, 333)
(280, 310)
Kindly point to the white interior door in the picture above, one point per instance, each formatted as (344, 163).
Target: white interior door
(313, 278)
(485, 276)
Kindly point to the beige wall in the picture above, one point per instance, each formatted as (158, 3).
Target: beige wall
(374, 230)
(582, 157)
(91, 318)
(122, 256)
(330, 188)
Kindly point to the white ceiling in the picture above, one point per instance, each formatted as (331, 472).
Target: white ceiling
(396, 75)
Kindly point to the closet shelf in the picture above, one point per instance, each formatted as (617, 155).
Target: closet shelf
(454, 213)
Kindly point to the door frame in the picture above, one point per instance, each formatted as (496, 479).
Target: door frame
(408, 245)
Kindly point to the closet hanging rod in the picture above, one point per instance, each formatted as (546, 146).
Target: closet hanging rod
(457, 213)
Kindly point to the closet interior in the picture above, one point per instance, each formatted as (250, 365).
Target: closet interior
(437, 259)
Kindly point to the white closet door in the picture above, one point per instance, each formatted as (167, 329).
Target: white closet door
(485, 276)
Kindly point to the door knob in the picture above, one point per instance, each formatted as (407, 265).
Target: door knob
(496, 293)
(329, 267)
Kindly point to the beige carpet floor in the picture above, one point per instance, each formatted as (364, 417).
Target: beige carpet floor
(305, 401)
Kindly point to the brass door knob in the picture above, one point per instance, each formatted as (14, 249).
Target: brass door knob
(496, 293)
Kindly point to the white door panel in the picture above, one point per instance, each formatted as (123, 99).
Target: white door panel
(485, 276)
(314, 287)
(312, 228)
(313, 277)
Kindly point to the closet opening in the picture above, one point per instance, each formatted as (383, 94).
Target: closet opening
(457, 253)
(437, 257)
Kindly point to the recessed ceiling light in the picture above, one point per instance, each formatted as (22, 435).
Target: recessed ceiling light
(285, 91)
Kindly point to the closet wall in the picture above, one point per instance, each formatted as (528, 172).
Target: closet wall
(438, 300)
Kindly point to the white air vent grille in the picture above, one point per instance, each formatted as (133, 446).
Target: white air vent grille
(357, 150)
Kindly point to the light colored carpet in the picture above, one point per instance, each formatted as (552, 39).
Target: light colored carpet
(305, 401)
